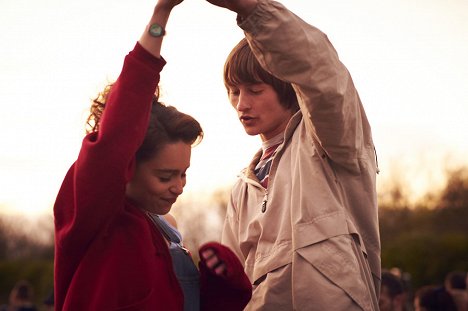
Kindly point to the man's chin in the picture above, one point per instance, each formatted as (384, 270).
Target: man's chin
(251, 132)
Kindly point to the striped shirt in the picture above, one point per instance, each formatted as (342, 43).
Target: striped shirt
(269, 147)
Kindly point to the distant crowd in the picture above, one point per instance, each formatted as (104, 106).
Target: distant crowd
(397, 294)
(22, 299)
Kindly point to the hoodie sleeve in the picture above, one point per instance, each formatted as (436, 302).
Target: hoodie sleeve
(94, 187)
(230, 292)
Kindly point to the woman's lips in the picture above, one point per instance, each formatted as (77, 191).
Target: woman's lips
(170, 200)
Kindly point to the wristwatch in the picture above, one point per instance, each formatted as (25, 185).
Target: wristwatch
(156, 30)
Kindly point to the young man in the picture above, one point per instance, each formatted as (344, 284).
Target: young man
(303, 216)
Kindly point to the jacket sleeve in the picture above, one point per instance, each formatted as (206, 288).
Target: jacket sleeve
(230, 292)
(94, 188)
(301, 54)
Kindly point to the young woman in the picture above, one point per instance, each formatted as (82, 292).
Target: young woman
(110, 253)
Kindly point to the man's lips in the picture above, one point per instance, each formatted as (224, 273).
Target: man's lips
(246, 118)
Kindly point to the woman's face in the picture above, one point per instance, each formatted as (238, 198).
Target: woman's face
(158, 182)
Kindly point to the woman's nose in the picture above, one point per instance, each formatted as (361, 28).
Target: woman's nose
(178, 186)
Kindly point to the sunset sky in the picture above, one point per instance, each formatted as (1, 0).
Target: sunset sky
(408, 60)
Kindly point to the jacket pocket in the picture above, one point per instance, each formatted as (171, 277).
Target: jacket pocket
(272, 291)
(336, 269)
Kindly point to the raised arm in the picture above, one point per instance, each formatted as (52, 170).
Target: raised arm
(328, 99)
(151, 39)
(106, 158)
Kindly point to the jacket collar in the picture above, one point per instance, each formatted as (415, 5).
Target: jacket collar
(290, 128)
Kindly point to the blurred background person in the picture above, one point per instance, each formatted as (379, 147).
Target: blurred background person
(392, 293)
(48, 302)
(433, 298)
(455, 284)
(21, 298)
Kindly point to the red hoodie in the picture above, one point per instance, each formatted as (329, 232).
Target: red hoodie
(108, 254)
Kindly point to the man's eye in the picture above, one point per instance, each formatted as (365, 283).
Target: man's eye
(256, 91)
(234, 92)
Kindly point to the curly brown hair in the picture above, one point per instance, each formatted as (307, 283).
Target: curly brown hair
(166, 125)
(96, 109)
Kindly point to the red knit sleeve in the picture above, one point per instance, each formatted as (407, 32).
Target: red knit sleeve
(230, 292)
(94, 189)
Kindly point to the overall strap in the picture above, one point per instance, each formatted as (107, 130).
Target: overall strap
(166, 230)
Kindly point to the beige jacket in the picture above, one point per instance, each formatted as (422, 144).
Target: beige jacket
(317, 246)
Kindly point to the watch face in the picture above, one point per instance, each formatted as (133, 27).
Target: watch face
(156, 30)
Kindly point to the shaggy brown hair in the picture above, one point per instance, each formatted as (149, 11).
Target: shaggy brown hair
(241, 67)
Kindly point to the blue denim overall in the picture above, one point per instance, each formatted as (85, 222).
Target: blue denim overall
(184, 267)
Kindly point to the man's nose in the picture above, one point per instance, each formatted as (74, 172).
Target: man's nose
(243, 102)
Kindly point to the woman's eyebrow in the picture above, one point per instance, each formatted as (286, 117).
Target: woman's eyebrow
(168, 170)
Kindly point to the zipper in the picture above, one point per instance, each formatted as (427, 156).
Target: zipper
(376, 160)
(265, 200)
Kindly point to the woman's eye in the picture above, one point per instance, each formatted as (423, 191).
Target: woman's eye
(164, 179)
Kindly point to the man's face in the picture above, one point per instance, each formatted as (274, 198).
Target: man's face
(259, 109)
